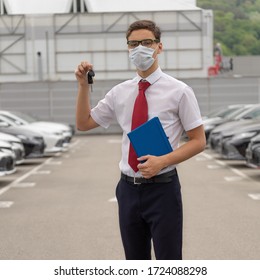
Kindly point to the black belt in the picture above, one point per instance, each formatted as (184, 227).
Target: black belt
(162, 178)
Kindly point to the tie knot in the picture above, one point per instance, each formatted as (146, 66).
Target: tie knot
(143, 85)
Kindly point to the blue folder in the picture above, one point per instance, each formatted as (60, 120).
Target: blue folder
(150, 139)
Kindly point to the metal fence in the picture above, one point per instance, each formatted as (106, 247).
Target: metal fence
(56, 101)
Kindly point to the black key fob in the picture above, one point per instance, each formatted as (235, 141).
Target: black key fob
(91, 74)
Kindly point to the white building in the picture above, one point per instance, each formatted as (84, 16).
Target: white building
(45, 40)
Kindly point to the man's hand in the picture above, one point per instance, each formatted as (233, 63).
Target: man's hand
(151, 166)
(81, 72)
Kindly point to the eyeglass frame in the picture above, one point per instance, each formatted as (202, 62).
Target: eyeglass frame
(142, 42)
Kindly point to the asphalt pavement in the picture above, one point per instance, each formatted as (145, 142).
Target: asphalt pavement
(64, 207)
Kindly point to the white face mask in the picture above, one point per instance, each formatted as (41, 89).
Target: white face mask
(142, 57)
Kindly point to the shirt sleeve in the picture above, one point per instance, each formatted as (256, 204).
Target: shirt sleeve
(189, 111)
(103, 112)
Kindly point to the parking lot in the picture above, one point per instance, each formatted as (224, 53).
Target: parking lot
(63, 206)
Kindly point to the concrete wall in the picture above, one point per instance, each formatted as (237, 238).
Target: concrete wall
(56, 100)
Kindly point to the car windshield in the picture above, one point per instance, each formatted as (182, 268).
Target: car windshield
(250, 114)
(25, 117)
(5, 120)
(239, 112)
(223, 113)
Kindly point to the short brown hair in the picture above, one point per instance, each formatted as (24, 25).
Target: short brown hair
(144, 24)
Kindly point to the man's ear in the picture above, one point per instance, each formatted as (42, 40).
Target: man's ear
(160, 48)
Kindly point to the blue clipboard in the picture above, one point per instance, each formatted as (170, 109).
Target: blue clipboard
(150, 139)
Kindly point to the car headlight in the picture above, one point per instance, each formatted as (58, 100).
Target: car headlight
(244, 135)
(58, 133)
(22, 137)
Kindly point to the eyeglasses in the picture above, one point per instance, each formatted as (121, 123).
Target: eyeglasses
(145, 43)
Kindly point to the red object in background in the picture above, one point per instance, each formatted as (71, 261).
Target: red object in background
(212, 71)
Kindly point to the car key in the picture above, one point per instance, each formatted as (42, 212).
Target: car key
(91, 74)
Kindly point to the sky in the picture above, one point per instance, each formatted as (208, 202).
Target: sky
(63, 6)
(36, 6)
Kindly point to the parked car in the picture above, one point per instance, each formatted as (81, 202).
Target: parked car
(16, 146)
(223, 111)
(233, 143)
(33, 142)
(215, 135)
(7, 162)
(54, 140)
(253, 152)
(238, 112)
(18, 150)
(24, 119)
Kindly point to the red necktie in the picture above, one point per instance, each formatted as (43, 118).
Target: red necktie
(140, 116)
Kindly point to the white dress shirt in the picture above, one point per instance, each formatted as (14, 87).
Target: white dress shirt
(171, 100)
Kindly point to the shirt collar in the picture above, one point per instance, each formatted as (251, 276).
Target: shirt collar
(151, 78)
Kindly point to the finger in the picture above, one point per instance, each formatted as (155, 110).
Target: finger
(141, 166)
(143, 158)
(86, 65)
(79, 70)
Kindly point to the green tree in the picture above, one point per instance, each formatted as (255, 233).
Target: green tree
(236, 25)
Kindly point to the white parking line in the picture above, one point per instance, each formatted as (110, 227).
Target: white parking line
(220, 162)
(24, 185)
(17, 182)
(241, 175)
(6, 204)
(39, 172)
(213, 166)
(19, 179)
(206, 155)
(114, 141)
(232, 178)
(254, 196)
(200, 158)
(54, 162)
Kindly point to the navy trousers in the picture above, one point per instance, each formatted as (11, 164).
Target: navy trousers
(151, 212)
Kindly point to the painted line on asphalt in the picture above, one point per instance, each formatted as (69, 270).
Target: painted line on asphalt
(241, 175)
(54, 162)
(42, 172)
(23, 177)
(254, 196)
(232, 178)
(114, 141)
(17, 181)
(213, 166)
(220, 162)
(200, 158)
(6, 204)
(206, 155)
(24, 185)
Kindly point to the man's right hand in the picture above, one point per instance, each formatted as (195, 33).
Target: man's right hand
(81, 72)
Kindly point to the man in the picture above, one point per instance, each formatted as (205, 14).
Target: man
(152, 208)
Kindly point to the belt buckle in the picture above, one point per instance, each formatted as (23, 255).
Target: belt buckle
(136, 180)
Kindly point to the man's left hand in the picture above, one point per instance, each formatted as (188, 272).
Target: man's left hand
(150, 167)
